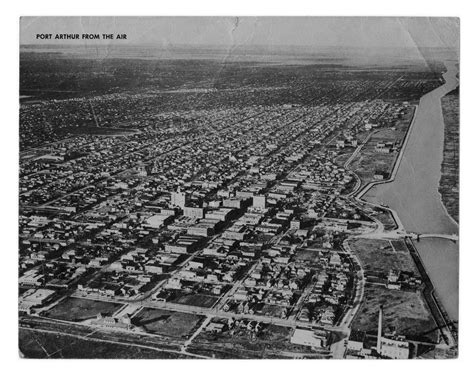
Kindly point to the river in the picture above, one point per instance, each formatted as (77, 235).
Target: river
(414, 194)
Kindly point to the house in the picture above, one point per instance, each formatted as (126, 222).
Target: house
(240, 294)
(328, 317)
(381, 175)
(215, 327)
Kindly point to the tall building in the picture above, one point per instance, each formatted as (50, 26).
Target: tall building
(179, 199)
(194, 212)
(141, 169)
(259, 202)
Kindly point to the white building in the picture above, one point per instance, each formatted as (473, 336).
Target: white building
(194, 212)
(395, 348)
(178, 199)
(259, 202)
(157, 220)
(306, 337)
(34, 297)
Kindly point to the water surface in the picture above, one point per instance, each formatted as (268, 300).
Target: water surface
(415, 197)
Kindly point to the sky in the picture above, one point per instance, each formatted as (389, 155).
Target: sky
(363, 32)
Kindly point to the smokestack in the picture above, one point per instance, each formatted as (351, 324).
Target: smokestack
(379, 332)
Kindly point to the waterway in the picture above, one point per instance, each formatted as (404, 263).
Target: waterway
(414, 194)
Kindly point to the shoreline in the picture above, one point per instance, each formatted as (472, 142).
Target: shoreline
(456, 222)
(359, 195)
(432, 296)
(393, 173)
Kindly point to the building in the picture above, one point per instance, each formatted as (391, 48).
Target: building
(393, 347)
(194, 212)
(141, 169)
(215, 327)
(200, 230)
(238, 235)
(179, 199)
(157, 220)
(32, 277)
(396, 348)
(309, 338)
(154, 268)
(34, 297)
(234, 203)
(356, 341)
(381, 174)
(340, 143)
(123, 323)
(259, 202)
(295, 224)
(220, 214)
(243, 194)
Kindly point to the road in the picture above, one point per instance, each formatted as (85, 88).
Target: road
(211, 312)
(197, 332)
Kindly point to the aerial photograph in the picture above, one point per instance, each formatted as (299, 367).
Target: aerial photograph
(238, 187)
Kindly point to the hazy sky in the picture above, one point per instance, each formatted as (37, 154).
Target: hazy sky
(304, 31)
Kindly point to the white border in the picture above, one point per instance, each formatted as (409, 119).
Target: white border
(11, 11)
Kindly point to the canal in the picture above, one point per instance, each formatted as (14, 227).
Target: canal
(414, 194)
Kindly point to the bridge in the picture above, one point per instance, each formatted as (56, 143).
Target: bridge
(415, 236)
(452, 237)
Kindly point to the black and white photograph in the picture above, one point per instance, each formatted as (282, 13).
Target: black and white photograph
(238, 187)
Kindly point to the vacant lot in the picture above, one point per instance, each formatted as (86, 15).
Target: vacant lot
(386, 219)
(272, 310)
(307, 255)
(382, 255)
(239, 342)
(344, 154)
(168, 323)
(76, 310)
(368, 160)
(404, 312)
(198, 300)
(34, 344)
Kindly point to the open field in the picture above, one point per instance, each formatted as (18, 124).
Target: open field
(75, 309)
(368, 161)
(449, 183)
(167, 323)
(35, 344)
(198, 300)
(344, 155)
(380, 255)
(405, 312)
(306, 255)
(272, 310)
